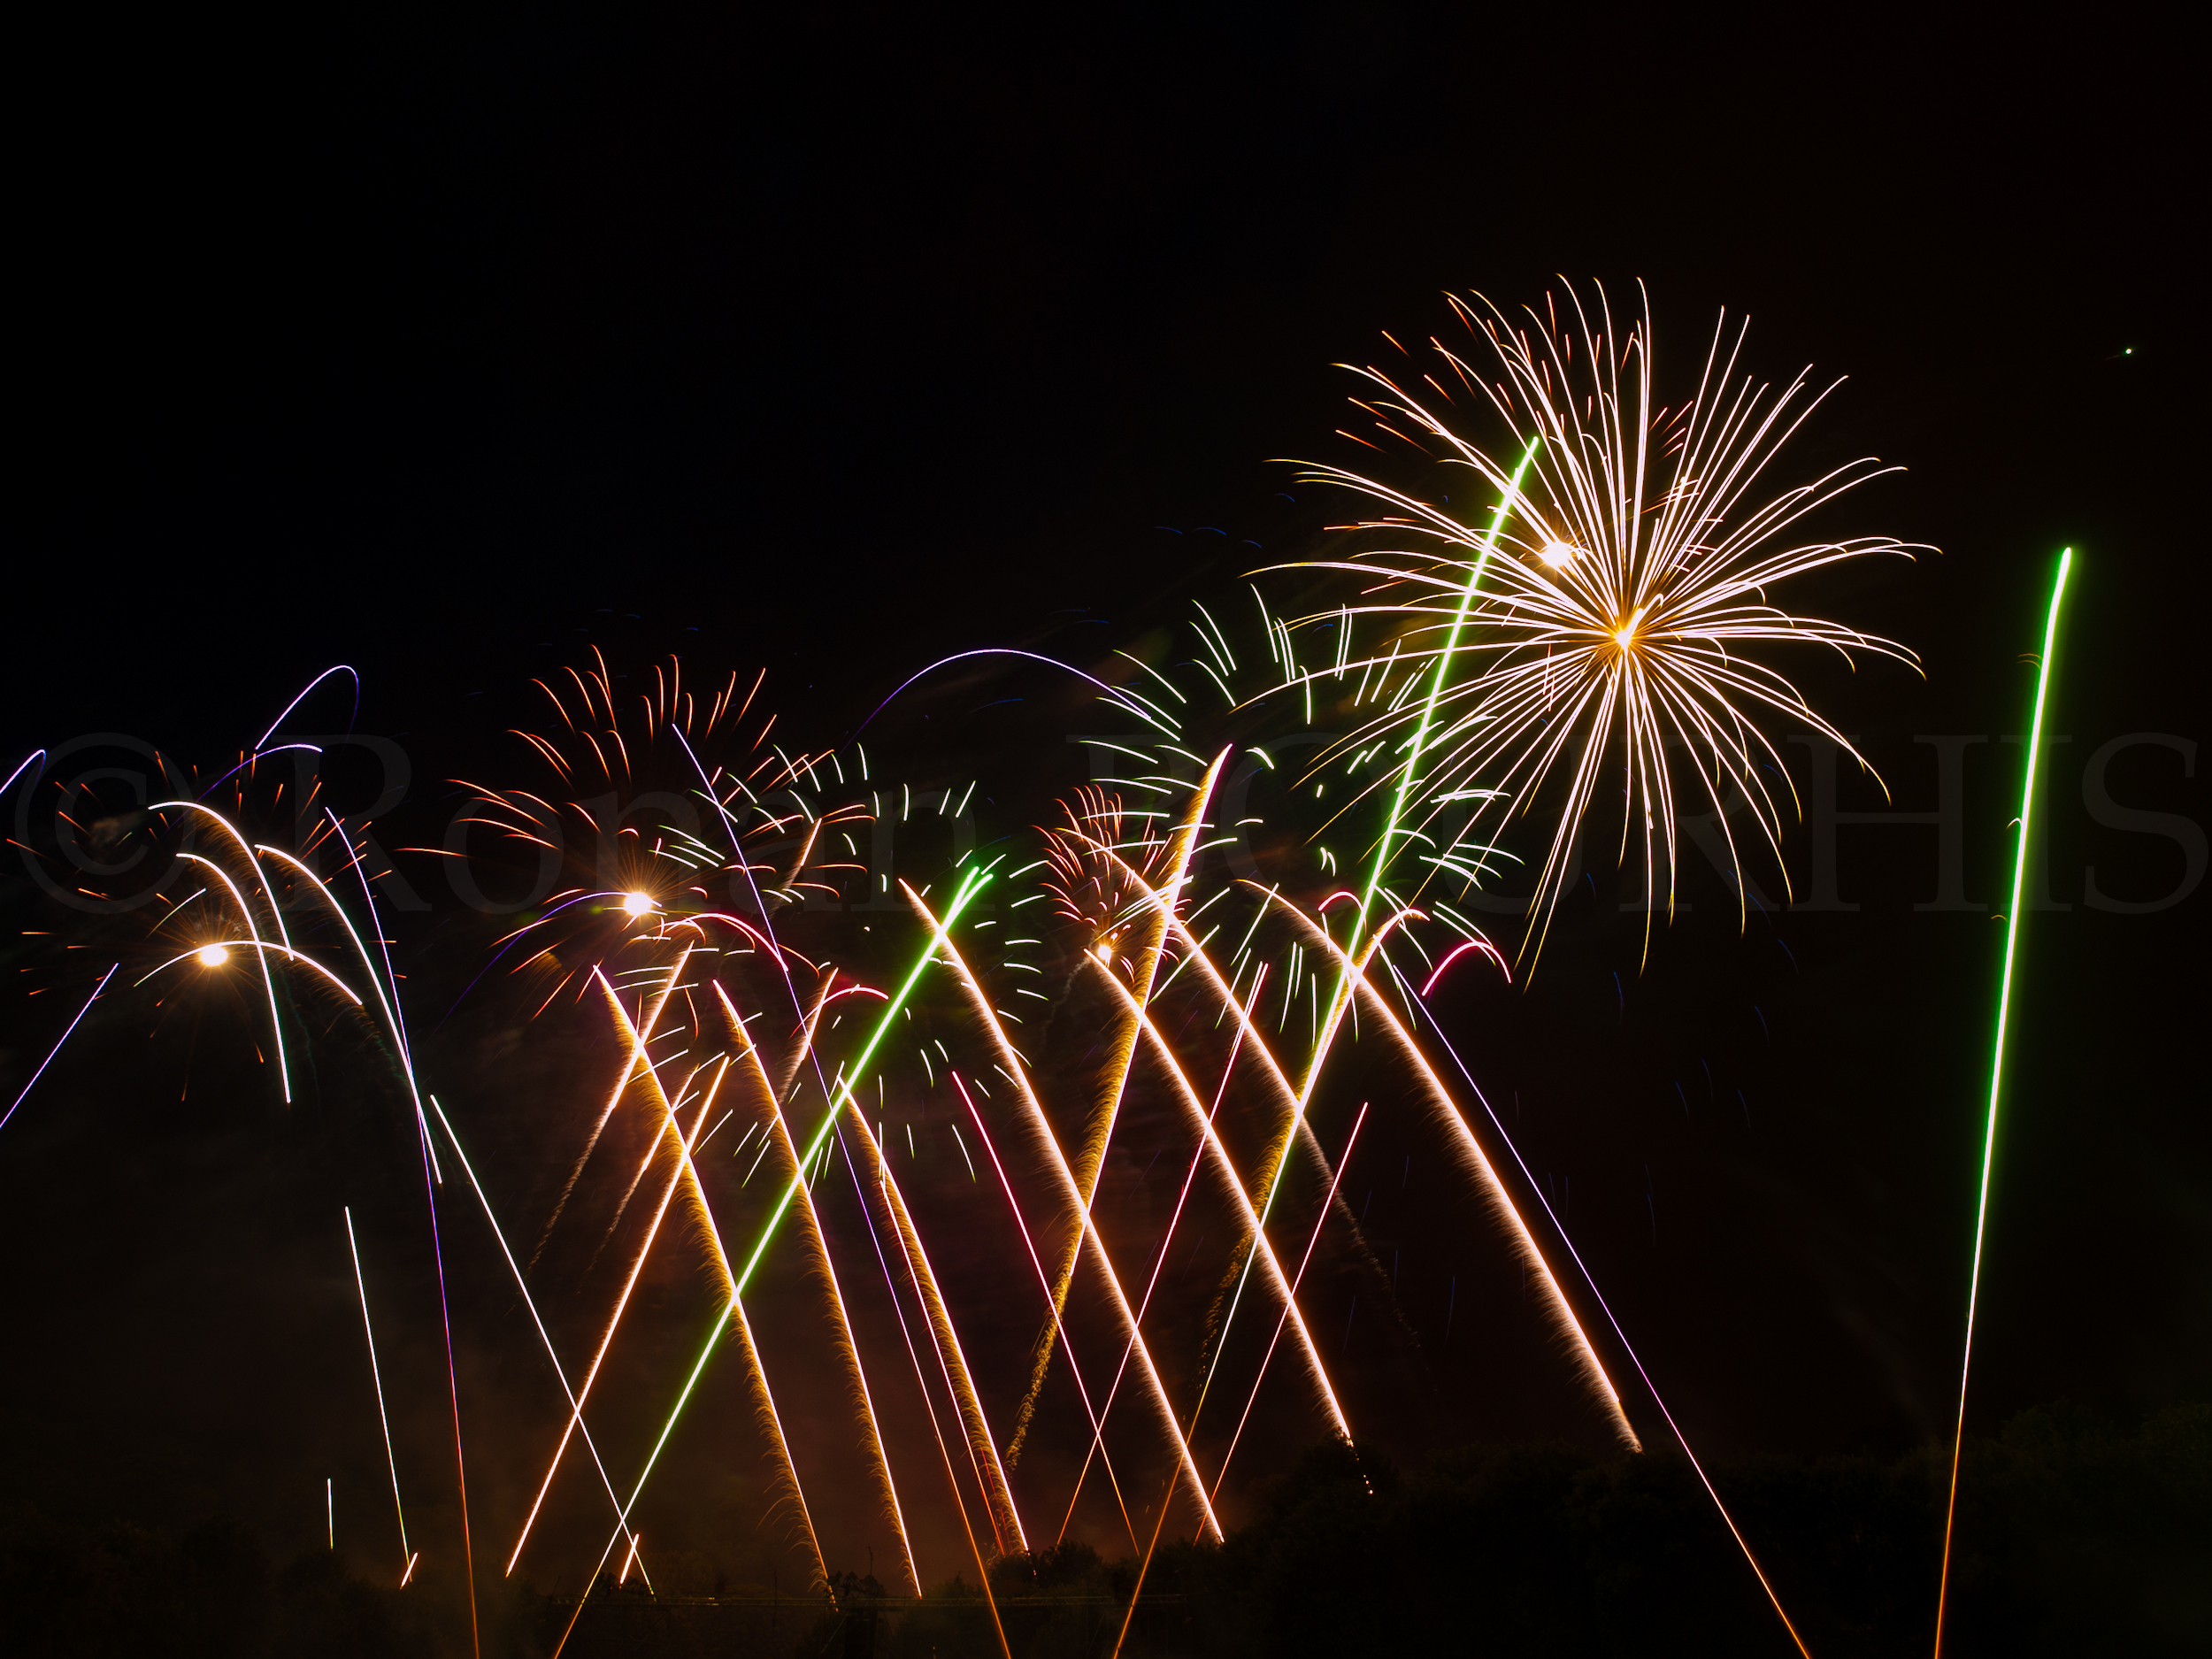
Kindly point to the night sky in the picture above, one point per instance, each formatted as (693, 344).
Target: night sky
(452, 349)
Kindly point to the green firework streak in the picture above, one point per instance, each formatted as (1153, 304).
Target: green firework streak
(1997, 1055)
(972, 882)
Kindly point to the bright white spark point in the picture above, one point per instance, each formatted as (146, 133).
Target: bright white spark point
(1557, 554)
(212, 955)
(637, 903)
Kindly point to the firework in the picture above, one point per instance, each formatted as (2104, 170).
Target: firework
(1997, 1059)
(24, 1093)
(1604, 612)
(376, 1376)
(1627, 599)
(522, 1285)
(818, 1257)
(1290, 1301)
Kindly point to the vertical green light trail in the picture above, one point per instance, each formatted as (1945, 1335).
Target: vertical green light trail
(1997, 1060)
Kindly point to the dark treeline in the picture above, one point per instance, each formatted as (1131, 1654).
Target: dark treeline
(2078, 1533)
(2075, 1535)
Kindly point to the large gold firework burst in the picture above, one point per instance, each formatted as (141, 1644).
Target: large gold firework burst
(1607, 607)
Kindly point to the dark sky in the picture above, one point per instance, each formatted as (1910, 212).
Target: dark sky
(447, 347)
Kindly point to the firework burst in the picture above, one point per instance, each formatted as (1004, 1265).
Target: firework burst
(1605, 610)
(1616, 613)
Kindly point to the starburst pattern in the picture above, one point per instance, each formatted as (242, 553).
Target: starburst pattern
(1616, 613)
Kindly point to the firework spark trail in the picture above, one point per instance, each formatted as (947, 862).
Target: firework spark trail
(781, 1092)
(384, 949)
(276, 1030)
(744, 867)
(1248, 1031)
(1159, 1260)
(393, 1018)
(397, 1021)
(771, 1423)
(1997, 1063)
(1417, 750)
(756, 1376)
(1012, 1067)
(970, 885)
(36, 757)
(24, 1093)
(1145, 970)
(529, 1303)
(1144, 1567)
(995, 1487)
(252, 762)
(298, 957)
(377, 1377)
(387, 1003)
(335, 668)
(1486, 1182)
(1340, 997)
(276, 910)
(929, 1403)
(1226, 1167)
(1588, 1280)
(1091, 1161)
(972, 882)
(802, 1050)
(672, 1102)
(816, 1248)
(453, 1377)
(1320, 1219)
(622, 1519)
(622, 1300)
(671, 1128)
(637, 1053)
(1059, 1328)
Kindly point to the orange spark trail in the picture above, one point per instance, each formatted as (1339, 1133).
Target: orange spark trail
(1159, 1260)
(622, 1301)
(1013, 1069)
(1249, 1032)
(1120, 1057)
(818, 1253)
(1227, 1168)
(764, 1414)
(944, 1452)
(1251, 1400)
(1495, 1195)
(999, 1498)
(1058, 1327)
(1246, 1030)
(637, 1053)
(522, 1287)
(764, 1402)
(276, 1030)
